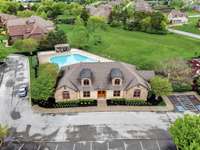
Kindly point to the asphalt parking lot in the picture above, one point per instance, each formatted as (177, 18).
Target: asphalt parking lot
(80, 131)
(184, 103)
(111, 145)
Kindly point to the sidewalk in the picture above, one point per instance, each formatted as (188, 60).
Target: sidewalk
(169, 107)
(196, 36)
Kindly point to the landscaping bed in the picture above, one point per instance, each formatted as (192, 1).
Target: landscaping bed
(65, 104)
(134, 102)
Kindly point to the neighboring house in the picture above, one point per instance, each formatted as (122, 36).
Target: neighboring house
(103, 9)
(102, 80)
(195, 65)
(177, 17)
(4, 18)
(33, 27)
(142, 6)
(196, 8)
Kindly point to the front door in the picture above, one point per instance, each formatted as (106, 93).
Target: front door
(101, 94)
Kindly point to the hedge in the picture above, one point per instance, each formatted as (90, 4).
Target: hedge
(65, 104)
(135, 102)
(126, 102)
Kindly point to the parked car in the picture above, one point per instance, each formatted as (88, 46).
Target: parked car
(22, 92)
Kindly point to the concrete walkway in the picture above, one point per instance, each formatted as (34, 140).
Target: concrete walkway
(192, 35)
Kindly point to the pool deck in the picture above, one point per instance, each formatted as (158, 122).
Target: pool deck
(44, 57)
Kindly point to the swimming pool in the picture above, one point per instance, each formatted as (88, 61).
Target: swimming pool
(64, 60)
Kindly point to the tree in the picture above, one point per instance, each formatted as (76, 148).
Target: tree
(198, 23)
(53, 38)
(3, 133)
(185, 132)
(95, 23)
(161, 86)
(43, 86)
(177, 4)
(26, 45)
(80, 37)
(25, 13)
(84, 15)
(176, 70)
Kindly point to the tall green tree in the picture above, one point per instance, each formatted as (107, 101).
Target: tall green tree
(84, 15)
(26, 45)
(43, 86)
(185, 132)
(53, 38)
(161, 86)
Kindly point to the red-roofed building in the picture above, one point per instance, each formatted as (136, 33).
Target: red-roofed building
(33, 27)
(195, 64)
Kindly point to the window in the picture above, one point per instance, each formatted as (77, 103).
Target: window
(117, 81)
(137, 93)
(66, 95)
(86, 94)
(86, 82)
(116, 93)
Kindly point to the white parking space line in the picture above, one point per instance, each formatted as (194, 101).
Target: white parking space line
(125, 146)
(141, 145)
(39, 147)
(90, 145)
(21, 147)
(74, 146)
(108, 146)
(158, 145)
(56, 147)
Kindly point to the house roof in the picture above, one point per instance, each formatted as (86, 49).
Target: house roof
(103, 10)
(116, 73)
(142, 6)
(101, 76)
(176, 13)
(86, 73)
(28, 26)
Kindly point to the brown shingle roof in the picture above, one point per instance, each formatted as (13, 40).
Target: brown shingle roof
(5, 17)
(101, 77)
(176, 13)
(28, 26)
(142, 6)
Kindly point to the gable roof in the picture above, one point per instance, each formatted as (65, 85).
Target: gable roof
(177, 13)
(142, 6)
(28, 26)
(101, 76)
(5, 17)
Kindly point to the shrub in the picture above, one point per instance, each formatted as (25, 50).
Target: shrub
(136, 102)
(185, 132)
(181, 87)
(66, 104)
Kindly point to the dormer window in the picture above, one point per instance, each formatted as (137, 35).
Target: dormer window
(117, 81)
(86, 77)
(116, 76)
(86, 82)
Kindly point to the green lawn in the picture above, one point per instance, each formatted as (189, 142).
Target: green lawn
(190, 27)
(144, 50)
(192, 12)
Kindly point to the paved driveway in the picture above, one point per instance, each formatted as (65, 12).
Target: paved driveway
(116, 130)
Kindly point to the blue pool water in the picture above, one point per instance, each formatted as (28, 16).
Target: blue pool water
(70, 59)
